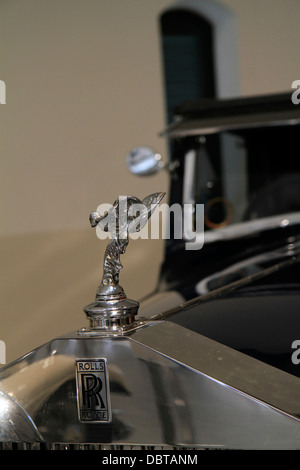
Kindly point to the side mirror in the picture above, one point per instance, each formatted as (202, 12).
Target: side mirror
(144, 161)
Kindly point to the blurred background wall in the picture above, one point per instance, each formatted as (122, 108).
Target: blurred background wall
(84, 84)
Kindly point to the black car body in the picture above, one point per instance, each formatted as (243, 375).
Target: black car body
(212, 360)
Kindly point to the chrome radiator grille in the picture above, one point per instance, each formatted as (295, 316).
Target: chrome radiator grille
(66, 446)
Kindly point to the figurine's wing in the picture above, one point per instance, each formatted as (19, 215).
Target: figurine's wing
(147, 207)
(152, 201)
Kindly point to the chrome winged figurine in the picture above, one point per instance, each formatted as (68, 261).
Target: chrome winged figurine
(127, 215)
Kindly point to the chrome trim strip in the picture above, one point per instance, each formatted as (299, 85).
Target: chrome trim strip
(188, 191)
(251, 227)
(216, 293)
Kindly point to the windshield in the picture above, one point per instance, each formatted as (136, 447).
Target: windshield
(247, 178)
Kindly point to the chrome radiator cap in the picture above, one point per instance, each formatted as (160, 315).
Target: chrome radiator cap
(112, 311)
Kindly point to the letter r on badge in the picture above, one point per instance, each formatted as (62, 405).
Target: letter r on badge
(91, 388)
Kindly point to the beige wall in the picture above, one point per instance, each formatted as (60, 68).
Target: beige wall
(268, 35)
(84, 85)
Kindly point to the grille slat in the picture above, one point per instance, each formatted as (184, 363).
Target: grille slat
(83, 446)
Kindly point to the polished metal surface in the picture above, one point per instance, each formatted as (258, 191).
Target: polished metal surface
(120, 221)
(144, 161)
(191, 392)
(15, 424)
(248, 375)
(111, 309)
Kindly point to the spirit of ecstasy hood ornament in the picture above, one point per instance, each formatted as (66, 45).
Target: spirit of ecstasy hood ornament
(111, 309)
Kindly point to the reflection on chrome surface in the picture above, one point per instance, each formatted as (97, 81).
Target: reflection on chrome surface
(181, 405)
